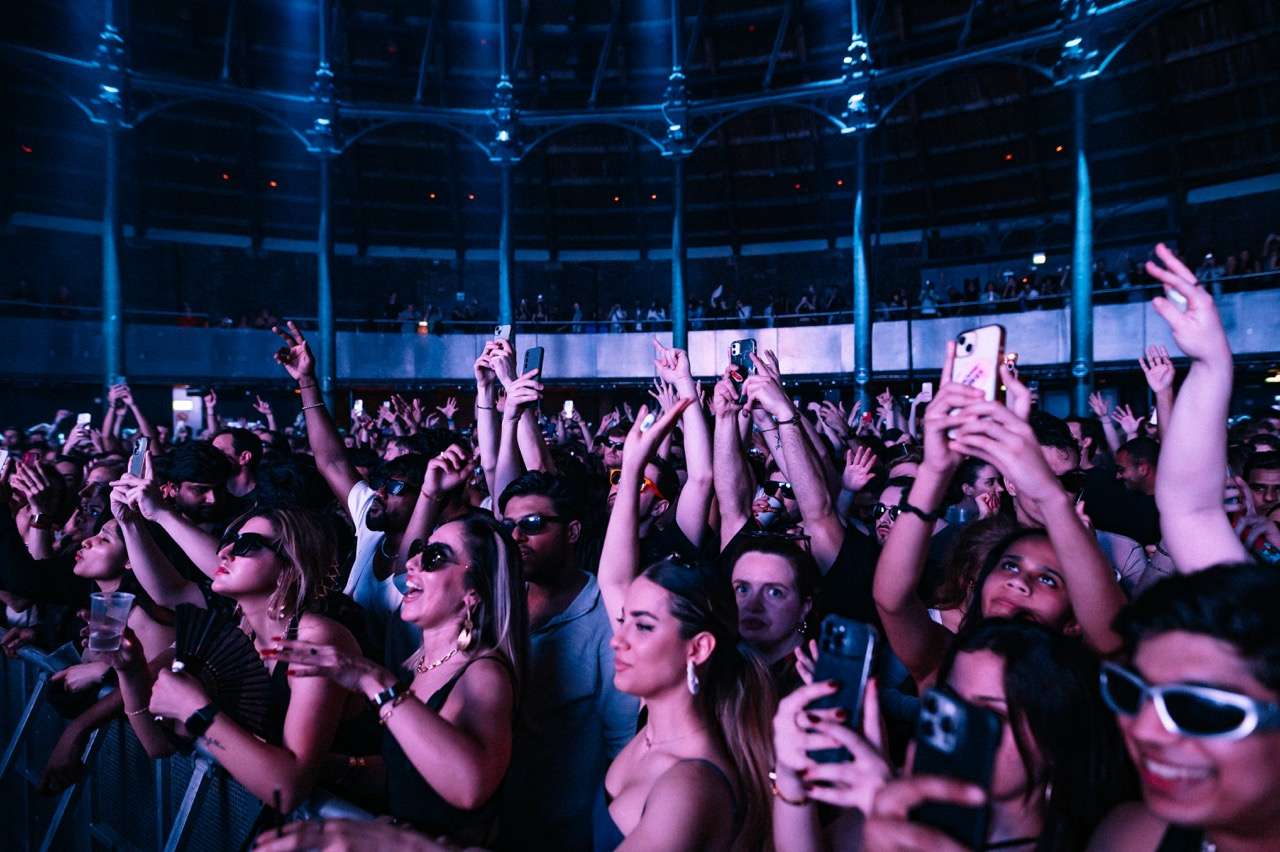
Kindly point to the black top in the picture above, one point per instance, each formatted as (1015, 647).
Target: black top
(411, 799)
(1179, 838)
(606, 836)
(846, 587)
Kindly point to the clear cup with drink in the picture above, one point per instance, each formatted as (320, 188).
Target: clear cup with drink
(108, 613)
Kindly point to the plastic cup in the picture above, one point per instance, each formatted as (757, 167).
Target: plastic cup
(108, 612)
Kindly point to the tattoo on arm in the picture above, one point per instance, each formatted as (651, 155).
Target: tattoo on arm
(214, 742)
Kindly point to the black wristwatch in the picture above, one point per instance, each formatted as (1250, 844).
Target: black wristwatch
(390, 694)
(928, 517)
(198, 722)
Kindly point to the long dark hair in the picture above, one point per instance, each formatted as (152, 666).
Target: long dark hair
(736, 695)
(974, 612)
(967, 557)
(1055, 712)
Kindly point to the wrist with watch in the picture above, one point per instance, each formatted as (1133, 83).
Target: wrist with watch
(198, 722)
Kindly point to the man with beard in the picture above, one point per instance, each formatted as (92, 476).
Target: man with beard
(194, 479)
(577, 721)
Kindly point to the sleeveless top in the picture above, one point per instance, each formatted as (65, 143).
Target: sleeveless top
(605, 834)
(411, 799)
(1179, 838)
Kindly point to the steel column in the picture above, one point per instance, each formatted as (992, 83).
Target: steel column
(327, 336)
(1082, 264)
(112, 314)
(679, 260)
(506, 247)
(861, 284)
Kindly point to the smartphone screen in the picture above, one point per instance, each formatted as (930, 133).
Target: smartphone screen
(977, 363)
(926, 392)
(358, 406)
(845, 651)
(956, 739)
(568, 408)
(4, 463)
(83, 418)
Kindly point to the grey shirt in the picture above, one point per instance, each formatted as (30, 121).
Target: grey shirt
(573, 722)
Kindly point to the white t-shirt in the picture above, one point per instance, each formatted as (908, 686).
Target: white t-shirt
(380, 597)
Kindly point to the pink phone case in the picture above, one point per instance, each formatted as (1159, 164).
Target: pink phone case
(978, 354)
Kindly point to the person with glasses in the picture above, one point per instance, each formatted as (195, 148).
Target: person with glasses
(449, 711)
(1198, 703)
(574, 720)
(1058, 770)
(276, 569)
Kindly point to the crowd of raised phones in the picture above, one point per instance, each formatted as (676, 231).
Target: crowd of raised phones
(721, 621)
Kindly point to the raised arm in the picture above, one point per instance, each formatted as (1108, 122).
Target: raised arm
(732, 479)
(446, 473)
(150, 566)
(994, 434)
(488, 418)
(212, 423)
(620, 555)
(263, 407)
(1158, 369)
(804, 469)
(522, 394)
(694, 503)
(1100, 410)
(1193, 455)
(326, 444)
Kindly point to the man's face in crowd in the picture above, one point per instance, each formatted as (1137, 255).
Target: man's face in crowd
(72, 474)
(12, 439)
(201, 501)
(1265, 485)
(887, 509)
(1203, 782)
(1060, 461)
(1131, 472)
(390, 512)
(611, 448)
(542, 554)
(651, 504)
(224, 445)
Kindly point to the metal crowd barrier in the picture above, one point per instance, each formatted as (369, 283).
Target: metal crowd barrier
(125, 800)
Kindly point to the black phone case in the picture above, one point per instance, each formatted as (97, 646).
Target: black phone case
(956, 739)
(533, 359)
(845, 651)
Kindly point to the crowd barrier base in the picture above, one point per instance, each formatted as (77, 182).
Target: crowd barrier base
(125, 800)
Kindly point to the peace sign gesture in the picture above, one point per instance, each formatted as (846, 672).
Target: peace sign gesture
(295, 356)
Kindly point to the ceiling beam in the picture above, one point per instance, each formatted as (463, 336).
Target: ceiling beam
(425, 59)
(615, 18)
(784, 24)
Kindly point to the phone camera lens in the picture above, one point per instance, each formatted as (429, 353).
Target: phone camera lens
(927, 729)
(947, 724)
(930, 704)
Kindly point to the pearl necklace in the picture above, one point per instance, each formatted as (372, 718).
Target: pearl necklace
(423, 666)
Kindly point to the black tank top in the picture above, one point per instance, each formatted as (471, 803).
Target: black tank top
(1178, 838)
(411, 799)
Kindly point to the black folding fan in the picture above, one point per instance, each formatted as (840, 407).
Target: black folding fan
(214, 650)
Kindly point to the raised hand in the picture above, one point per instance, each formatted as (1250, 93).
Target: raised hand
(447, 472)
(855, 414)
(1197, 330)
(642, 444)
(32, 483)
(522, 394)
(308, 659)
(1017, 396)
(1125, 419)
(295, 356)
(1099, 406)
(859, 469)
(664, 393)
(450, 408)
(764, 389)
(943, 415)
(999, 437)
(672, 364)
(724, 396)
(210, 400)
(261, 406)
(116, 395)
(1158, 368)
(888, 827)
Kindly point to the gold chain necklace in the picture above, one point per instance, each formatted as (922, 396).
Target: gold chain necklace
(423, 666)
(650, 742)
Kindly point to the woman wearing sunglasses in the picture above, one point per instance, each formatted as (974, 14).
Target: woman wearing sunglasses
(1199, 707)
(275, 567)
(449, 719)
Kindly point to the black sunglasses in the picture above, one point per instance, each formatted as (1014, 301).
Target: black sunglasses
(774, 488)
(616, 443)
(434, 555)
(394, 487)
(247, 543)
(530, 524)
(881, 509)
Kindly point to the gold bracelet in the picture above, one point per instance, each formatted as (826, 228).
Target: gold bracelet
(773, 787)
(313, 405)
(137, 712)
(384, 715)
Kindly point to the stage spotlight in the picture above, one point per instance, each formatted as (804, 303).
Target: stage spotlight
(226, 176)
(1008, 158)
(1059, 149)
(653, 197)
(839, 181)
(471, 196)
(431, 195)
(273, 183)
(1039, 259)
(27, 149)
(617, 199)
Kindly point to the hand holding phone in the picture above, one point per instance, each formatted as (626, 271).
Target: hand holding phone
(845, 651)
(138, 461)
(533, 359)
(956, 739)
(740, 352)
(978, 356)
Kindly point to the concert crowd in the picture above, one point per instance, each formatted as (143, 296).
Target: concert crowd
(728, 619)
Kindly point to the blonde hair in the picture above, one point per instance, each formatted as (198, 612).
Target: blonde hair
(309, 554)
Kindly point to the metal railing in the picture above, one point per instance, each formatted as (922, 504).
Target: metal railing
(125, 800)
(882, 312)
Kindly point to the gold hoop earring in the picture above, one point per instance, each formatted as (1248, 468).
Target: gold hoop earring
(466, 636)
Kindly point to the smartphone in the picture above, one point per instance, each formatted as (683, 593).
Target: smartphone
(502, 332)
(83, 418)
(740, 352)
(138, 461)
(955, 739)
(4, 463)
(845, 650)
(978, 355)
(533, 359)
(649, 420)
(926, 392)
(831, 395)
(357, 407)
(568, 408)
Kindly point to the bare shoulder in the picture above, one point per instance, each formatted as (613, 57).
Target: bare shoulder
(1129, 827)
(325, 631)
(696, 783)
